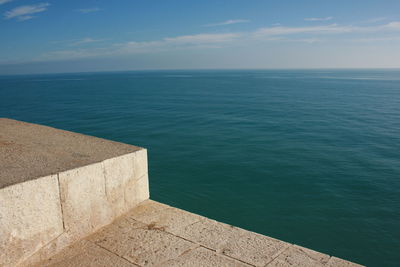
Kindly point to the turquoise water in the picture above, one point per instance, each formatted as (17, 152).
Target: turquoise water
(309, 157)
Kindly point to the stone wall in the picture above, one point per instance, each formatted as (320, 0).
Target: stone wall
(41, 216)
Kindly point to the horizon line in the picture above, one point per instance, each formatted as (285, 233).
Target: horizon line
(198, 69)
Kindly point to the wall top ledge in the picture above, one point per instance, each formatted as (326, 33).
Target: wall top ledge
(29, 151)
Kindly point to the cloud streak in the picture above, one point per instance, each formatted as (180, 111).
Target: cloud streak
(168, 43)
(309, 35)
(318, 19)
(280, 30)
(376, 20)
(5, 1)
(22, 13)
(326, 29)
(89, 10)
(86, 41)
(178, 42)
(228, 22)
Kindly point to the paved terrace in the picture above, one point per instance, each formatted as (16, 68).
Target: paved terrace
(68, 199)
(154, 234)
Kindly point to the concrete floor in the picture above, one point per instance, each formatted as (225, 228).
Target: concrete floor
(154, 234)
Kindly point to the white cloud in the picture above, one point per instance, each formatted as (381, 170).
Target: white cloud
(89, 10)
(86, 41)
(202, 38)
(376, 20)
(310, 35)
(318, 19)
(22, 13)
(5, 1)
(228, 22)
(281, 30)
(178, 42)
(326, 29)
(394, 25)
(373, 40)
(169, 43)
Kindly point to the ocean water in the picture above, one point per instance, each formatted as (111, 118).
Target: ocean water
(309, 157)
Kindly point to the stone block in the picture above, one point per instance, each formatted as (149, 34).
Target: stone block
(84, 202)
(136, 192)
(125, 181)
(141, 165)
(119, 174)
(30, 217)
(87, 206)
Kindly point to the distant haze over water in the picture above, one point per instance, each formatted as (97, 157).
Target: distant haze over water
(310, 157)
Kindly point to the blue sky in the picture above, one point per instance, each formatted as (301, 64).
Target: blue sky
(71, 36)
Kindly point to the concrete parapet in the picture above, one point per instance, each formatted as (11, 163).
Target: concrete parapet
(76, 193)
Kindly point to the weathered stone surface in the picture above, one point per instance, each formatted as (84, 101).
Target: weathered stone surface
(95, 180)
(237, 243)
(139, 192)
(119, 174)
(299, 256)
(87, 207)
(140, 243)
(254, 249)
(84, 254)
(164, 217)
(84, 202)
(196, 241)
(29, 151)
(210, 234)
(141, 165)
(30, 217)
(126, 181)
(50, 249)
(336, 262)
(202, 257)
(146, 209)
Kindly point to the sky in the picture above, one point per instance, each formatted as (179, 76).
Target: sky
(48, 36)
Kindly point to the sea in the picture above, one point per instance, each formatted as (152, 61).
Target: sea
(311, 157)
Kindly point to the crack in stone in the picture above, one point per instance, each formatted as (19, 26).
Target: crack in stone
(105, 179)
(278, 254)
(180, 255)
(30, 260)
(61, 202)
(121, 257)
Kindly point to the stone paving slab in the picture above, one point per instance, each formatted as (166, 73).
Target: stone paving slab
(154, 234)
(234, 242)
(336, 262)
(84, 254)
(299, 256)
(204, 257)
